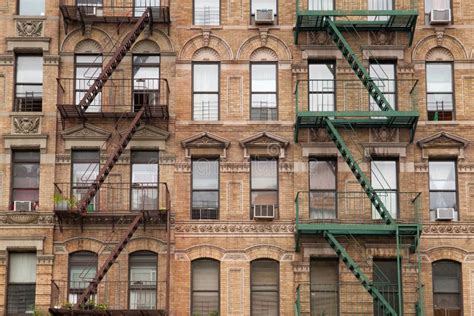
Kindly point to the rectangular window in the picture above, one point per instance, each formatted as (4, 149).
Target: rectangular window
(443, 188)
(439, 91)
(384, 76)
(26, 178)
(264, 187)
(82, 270)
(385, 183)
(324, 287)
(263, 11)
(442, 8)
(85, 168)
(90, 7)
(88, 69)
(264, 92)
(320, 5)
(143, 283)
(144, 180)
(207, 12)
(321, 86)
(29, 84)
(146, 81)
(141, 5)
(322, 184)
(205, 287)
(205, 189)
(447, 288)
(264, 280)
(385, 280)
(31, 7)
(206, 91)
(380, 5)
(21, 283)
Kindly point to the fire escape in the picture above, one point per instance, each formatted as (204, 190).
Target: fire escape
(333, 23)
(151, 103)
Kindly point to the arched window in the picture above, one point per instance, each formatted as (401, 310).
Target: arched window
(264, 283)
(143, 280)
(82, 269)
(447, 298)
(205, 287)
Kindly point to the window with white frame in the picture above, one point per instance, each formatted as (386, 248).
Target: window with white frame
(264, 105)
(207, 12)
(21, 288)
(205, 91)
(439, 91)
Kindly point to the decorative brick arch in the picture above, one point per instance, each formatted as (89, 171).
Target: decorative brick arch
(83, 244)
(158, 39)
(214, 42)
(205, 251)
(271, 42)
(146, 46)
(146, 244)
(265, 252)
(71, 41)
(206, 53)
(439, 54)
(88, 46)
(448, 42)
(446, 253)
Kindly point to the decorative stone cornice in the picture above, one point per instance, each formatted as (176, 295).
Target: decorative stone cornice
(195, 144)
(26, 218)
(232, 228)
(271, 144)
(29, 28)
(445, 229)
(443, 144)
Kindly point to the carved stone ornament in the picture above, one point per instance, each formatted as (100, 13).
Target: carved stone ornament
(263, 36)
(206, 35)
(234, 228)
(26, 125)
(29, 28)
(448, 229)
(382, 38)
(319, 38)
(319, 135)
(439, 37)
(384, 134)
(23, 218)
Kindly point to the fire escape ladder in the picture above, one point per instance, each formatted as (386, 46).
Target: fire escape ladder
(92, 288)
(360, 276)
(357, 66)
(358, 173)
(119, 54)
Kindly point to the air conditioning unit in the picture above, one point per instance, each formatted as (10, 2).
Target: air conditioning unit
(93, 11)
(444, 214)
(264, 211)
(440, 16)
(22, 206)
(264, 16)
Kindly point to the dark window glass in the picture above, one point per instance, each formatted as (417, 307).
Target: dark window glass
(82, 270)
(29, 84)
(264, 92)
(205, 287)
(322, 183)
(384, 76)
(386, 281)
(205, 189)
(31, 7)
(143, 280)
(21, 283)
(141, 5)
(85, 168)
(206, 12)
(88, 68)
(443, 187)
(144, 180)
(447, 298)
(26, 177)
(206, 92)
(265, 287)
(146, 80)
(439, 91)
(321, 87)
(324, 287)
(384, 181)
(264, 186)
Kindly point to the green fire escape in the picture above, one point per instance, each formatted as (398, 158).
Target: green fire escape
(334, 23)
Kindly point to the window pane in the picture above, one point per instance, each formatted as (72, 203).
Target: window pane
(265, 275)
(206, 12)
(442, 175)
(264, 174)
(386, 281)
(447, 285)
(205, 174)
(31, 7)
(264, 5)
(145, 173)
(206, 107)
(82, 269)
(264, 78)
(206, 77)
(89, 59)
(206, 200)
(321, 71)
(322, 174)
(22, 268)
(21, 299)
(143, 268)
(321, 5)
(205, 275)
(264, 100)
(440, 102)
(324, 287)
(439, 77)
(141, 5)
(384, 175)
(29, 69)
(264, 198)
(26, 175)
(205, 303)
(443, 199)
(322, 205)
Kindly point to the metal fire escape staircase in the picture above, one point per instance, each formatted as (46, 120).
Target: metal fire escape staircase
(88, 98)
(330, 121)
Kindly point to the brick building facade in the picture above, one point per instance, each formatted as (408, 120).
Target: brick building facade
(251, 203)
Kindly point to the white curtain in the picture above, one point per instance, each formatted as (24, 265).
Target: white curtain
(22, 268)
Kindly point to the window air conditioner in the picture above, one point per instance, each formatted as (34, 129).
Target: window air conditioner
(444, 214)
(264, 211)
(264, 16)
(440, 16)
(93, 11)
(22, 206)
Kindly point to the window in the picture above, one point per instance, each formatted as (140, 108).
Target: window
(438, 5)
(380, 5)
(82, 270)
(321, 86)
(385, 183)
(384, 76)
(26, 177)
(29, 84)
(447, 298)
(21, 289)
(207, 12)
(385, 280)
(88, 68)
(146, 81)
(320, 5)
(439, 91)
(264, 186)
(264, 92)
(443, 187)
(264, 6)
(31, 7)
(143, 280)
(322, 185)
(205, 287)
(90, 7)
(206, 91)
(324, 287)
(85, 168)
(205, 187)
(141, 5)
(145, 180)
(265, 287)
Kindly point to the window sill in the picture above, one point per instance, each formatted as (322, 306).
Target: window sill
(205, 27)
(25, 113)
(29, 17)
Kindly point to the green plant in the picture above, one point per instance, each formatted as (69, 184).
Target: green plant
(59, 199)
(101, 307)
(214, 313)
(66, 305)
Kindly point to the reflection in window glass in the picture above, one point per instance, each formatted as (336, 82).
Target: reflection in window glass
(141, 5)
(321, 87)
(439, 91)
(143, 282)
(29, 84)
(82, 269)
(264, 92)
(385, 276)
(320, 5)
(264, 185)
(88, 68)
(26, 177)
(206, 92)
(384, 77)
(322, 182)
(146, 81)
(144, 180)
(447, 295)
(206, 12)
(443, 188)
(380, 5)
(31, 7)
(205, 189)
(384, 181)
